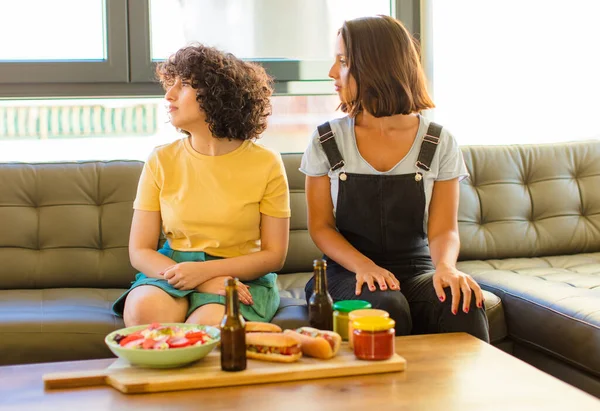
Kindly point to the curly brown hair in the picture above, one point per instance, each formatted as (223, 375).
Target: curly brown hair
(234, 94)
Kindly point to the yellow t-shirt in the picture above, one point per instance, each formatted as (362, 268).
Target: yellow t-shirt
(213, 203)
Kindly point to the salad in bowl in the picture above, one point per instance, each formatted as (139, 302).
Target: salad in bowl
(163, 345)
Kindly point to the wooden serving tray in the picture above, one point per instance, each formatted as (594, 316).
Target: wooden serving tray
(207, 373)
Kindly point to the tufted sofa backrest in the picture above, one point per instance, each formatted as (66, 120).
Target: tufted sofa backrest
(66, 224)
(530, 200)
(302, 251)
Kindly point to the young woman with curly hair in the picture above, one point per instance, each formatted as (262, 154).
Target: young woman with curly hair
(221, 200)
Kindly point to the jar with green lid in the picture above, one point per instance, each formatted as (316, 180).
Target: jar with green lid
(340, 314)
(374, 338)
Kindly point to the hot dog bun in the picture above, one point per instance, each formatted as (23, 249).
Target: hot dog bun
(316, 343)
(256, 326)
(274, 357)
(268, 346)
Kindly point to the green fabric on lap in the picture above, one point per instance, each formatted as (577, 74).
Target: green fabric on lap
(264, 291)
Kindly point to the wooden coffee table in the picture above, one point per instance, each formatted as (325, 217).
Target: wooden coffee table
(444, 372)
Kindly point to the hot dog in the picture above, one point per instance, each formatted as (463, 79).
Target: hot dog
(255, 326)
(276, 347)
(316, 343)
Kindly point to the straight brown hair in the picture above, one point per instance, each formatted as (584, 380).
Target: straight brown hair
(383, 59)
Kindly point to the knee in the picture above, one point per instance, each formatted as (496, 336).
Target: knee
(448, 302)
(397, 306)
(474, 321)
(209, 314)
(138, 309)
(145, 306)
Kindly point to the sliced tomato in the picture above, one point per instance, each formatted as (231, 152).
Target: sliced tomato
(178, 342)
(148, 343)
(129, 338)
(195, 334)
(196, 340)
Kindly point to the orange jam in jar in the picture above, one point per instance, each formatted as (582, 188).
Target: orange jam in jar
(373, 338)
(356, 314)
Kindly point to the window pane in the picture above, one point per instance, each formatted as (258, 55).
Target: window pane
(107, 129)
(52, 30)
(513, 71)
(274, 29)
(71, 130)
(294, 120)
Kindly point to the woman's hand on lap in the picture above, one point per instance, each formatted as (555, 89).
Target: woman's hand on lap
(216, 285)
(458, 282)
(183, 276)
(373, 274)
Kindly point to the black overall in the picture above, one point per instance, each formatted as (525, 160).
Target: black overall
(383, 216)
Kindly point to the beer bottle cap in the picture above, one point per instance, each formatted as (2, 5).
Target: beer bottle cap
(232, 282)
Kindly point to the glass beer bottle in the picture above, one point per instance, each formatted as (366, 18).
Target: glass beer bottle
(233, 331)
(320, 304)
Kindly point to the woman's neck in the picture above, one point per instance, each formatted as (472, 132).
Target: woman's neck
(205, 143)
(398, 122)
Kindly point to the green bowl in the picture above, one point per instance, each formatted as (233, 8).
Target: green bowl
(169, 358)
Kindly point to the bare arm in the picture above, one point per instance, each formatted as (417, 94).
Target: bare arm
(444, 245)
(274, 234)
(321, 226)
(442, 227)
(143, 239)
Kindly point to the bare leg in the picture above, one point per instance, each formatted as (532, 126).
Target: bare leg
(147, 304)
(209, 314)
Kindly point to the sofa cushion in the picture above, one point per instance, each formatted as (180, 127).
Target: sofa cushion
(550, 303)
(56, 324)
(544, 195)
(302, 250)
(67, 223)
(292, 285)
(495, 315)
(292, 313)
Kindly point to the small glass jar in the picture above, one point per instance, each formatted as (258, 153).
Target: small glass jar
(340, 314)
(374, 338)
(356, 314)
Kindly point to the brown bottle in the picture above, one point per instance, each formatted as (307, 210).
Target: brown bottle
(320, 304)
(233, 331)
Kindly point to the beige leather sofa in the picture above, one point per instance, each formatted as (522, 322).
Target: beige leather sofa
(529, 224)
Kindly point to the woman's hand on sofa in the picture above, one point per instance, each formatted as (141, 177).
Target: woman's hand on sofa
(216, 285)
(458, 282)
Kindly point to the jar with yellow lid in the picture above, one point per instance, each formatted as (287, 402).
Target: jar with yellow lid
(340, 314)
(374, 338)
(356, 314)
